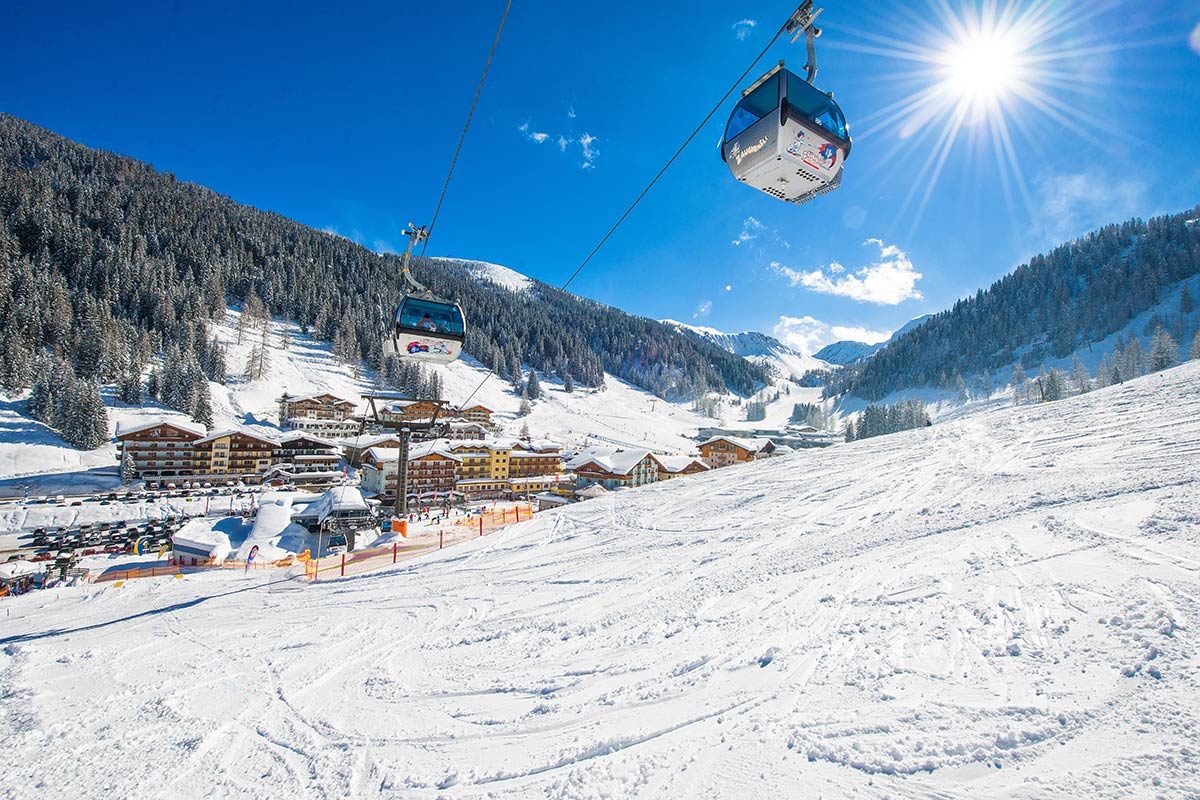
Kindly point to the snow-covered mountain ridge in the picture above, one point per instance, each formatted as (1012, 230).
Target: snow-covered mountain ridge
(847, 351)
(761, 348)
(999, 606)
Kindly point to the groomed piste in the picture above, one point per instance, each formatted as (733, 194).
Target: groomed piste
(1000, 606)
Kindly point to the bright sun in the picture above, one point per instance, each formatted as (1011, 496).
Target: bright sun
(981, 68)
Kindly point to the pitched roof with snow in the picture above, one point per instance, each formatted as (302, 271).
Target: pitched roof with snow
(388, 454)
(125, 429)
(262, 437)
(288, 437)
(300, 398)
(751, 445)
(675, 464)
(620, 462)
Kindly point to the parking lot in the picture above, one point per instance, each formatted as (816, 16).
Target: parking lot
(64, 528)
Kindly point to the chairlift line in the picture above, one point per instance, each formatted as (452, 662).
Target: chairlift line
(426, 327)
(807, 164)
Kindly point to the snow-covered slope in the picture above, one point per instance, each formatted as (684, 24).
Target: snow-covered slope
(779, 359)
(847, 352)
(621, 413)
(1001, 606)
(493, 273)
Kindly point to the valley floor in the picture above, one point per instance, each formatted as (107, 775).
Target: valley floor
(999, 606)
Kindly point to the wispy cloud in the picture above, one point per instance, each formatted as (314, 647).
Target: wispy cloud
(809, 334)
(587, 144)
(743, 28)
(887, 281)
(1194, 39)
(534, 136)
(702, 310)
(383, 246)
(1071, 204)
(751, 228)
(571, 112)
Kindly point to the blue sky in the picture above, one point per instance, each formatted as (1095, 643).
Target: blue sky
(346, 118)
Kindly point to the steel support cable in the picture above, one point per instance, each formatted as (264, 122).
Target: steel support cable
(466, 125)
(624, 215)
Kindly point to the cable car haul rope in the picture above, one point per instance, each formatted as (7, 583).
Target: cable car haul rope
(784, 137)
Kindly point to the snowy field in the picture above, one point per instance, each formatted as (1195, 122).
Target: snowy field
(1000, 606)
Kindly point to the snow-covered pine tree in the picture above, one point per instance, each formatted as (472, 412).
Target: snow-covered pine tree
(154, 385)
(15, 365)
(1054, 386)
(82, 416)
(202, 405)
(41, 396)
(253, 364)
(1164, 353)
(1186, 304)
(128, 470)
(1018, 383)
(1133, 361)
(1103, 372)
(525, 409)
(985, 384)
(525, 431)
(849, 430)
(568, 383)
(129, 390)
(532, 387)
(1195, 353)
(1079, 377)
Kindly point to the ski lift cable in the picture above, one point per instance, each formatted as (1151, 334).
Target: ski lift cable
(466, 125)
(787, 27)
(707, 117)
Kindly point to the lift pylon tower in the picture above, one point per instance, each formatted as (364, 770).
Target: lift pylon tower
(423, 430)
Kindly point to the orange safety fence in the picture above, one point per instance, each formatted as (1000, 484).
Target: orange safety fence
(355, 563)
(175, 568)
(497, 518)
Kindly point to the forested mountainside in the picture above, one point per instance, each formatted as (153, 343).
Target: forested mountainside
(105, 261)
(1078, 293)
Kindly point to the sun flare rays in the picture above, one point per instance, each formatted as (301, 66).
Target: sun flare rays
(993, 79)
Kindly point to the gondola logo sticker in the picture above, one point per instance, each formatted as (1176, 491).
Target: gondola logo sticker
(825, 158)
(829, 155)
(739, 155)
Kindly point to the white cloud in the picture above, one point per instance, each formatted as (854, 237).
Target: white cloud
(589, 152)
(571, 112)
(703, 309)
(888, 281)
(587, 142)
(1073, 204)
(383, 246)
(729, 287)
(842, 333)
(743, 28)
(809, 334)
(532, 135)
(751, 228)
(1194, 39)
